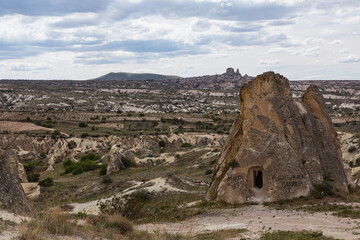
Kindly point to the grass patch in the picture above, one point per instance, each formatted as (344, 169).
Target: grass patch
(295, 235)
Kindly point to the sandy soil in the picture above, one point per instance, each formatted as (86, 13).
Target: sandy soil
(20, 126)
(10, 232)
(154, 185)
(258, 219)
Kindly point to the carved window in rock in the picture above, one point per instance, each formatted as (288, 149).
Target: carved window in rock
(256, 177)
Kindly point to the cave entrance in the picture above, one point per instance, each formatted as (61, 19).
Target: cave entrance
(258, 179)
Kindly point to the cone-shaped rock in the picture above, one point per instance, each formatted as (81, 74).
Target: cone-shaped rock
(12, 196)
(278, 148)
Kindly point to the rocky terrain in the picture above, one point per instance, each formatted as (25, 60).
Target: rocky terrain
(86, 151)
(292, 144)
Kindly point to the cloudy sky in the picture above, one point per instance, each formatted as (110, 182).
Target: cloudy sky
(82, 39)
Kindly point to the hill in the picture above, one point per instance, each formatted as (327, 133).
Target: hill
(134, 76)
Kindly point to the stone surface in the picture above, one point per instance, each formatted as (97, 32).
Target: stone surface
(278, 148)
(116, 159)
(32, 190)
(12, 196)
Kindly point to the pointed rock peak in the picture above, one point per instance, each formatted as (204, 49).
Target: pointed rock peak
(238, 72)
(230, 71)
(315, 102)
(277, 148)
(267, 83)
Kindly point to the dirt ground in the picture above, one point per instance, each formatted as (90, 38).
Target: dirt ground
(258, 219)
(20, 126)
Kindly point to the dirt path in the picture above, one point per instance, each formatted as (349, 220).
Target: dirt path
(259, 219)
(10, 232)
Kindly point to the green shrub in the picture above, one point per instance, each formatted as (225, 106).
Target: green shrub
(186, 145)
(128, 206)
(67, 162)
(46, 182)
(55, 134)
(326, 188)
(80, 167)
(106, 179)
(72, 145)
(162, 150)
(83, 125)
(351, 164)
(233, 163)
(162, 143)
(81, 215)
(33, 177)
(357, 162)
(103, 169)
(127, 162)
(208, 172)
(28, 167)
(84, 135)
(90, 156)
(352, 149)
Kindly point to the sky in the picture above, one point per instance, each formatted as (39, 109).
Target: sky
(83, 39)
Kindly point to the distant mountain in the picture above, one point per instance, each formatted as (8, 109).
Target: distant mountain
(134, 76)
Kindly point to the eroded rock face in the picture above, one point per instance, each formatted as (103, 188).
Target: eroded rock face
(278, 148)
(12, 196)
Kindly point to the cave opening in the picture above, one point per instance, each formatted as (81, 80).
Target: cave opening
(258, 179)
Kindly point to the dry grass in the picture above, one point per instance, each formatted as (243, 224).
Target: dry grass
(50, 223)
(120, 223)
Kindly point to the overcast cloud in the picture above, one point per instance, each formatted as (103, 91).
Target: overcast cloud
(82, 39)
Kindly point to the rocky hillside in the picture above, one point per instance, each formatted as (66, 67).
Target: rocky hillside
(12, 196)
(278, 148)
(134, 76)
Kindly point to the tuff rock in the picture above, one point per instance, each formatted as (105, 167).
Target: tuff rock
(12, 196)
(278, 148)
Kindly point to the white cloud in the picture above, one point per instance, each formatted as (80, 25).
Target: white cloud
(269, 62)
(129, 35)
(336, 42)
(350, 59)
(313, 52)
(328, 32)
(343, 50)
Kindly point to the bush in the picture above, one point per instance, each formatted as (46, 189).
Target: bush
(83, 125)
(103, 168)
(326, 188)
(162, 150)
(234, 164)
(127, 162)
(128, 206)
(33, 177)
(186, 145)
(48, 182)
(352, 149)
(84, 135)
(80, 167)
(90, 156)
(162, 143)
(67, 163)
(28, 167)
(106, 179)
(357, 162)
(55, 134)
(72, 145)
(119, 222)
(208, 172)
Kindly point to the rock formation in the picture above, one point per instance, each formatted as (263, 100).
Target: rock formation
(12, 196)
(278, 148)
